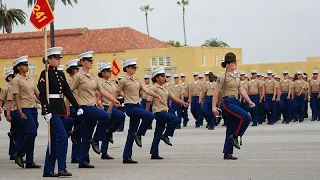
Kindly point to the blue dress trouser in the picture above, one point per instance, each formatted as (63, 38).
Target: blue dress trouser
(143, 104)
(59, 146)
(208, 113)
(117, 117)
(284, 107)
(135, 112)
(184, 112)
(165, 122)
(254, 111)
(196, 110)
(315, 106)
(14, 129)
(176, 108)
(90, 116)
(262, 115)
(121, 127)
(299, 107)
(238, 121)
(29, 127)
(78, 125)
(269, 108)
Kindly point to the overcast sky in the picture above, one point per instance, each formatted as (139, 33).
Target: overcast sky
(266, 30)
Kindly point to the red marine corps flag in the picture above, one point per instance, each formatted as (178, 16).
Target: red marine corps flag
(115, 68)
(41, 15)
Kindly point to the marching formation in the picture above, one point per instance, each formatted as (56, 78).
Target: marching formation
(90, 109)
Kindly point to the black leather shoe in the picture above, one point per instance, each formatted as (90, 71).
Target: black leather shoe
(86, 165)
(32, 166)
(106, 156)
(64, 172)
(95, 146)
(156, 157)
(137, 139)
(234, 141)
(119, 130)
(294, 120)
(313, 119)
(73, 138)
(109, 136)
(211, 128)
(254, 124)
(74, 161)
(19, 161)
(197, 126)
(184, 125)
(52, 174)
(207, 126)
(129, 161)
(229, 157)
(12, 157)
(166, 140)
(178, 127)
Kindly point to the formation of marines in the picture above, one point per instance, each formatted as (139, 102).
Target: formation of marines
(90, 110)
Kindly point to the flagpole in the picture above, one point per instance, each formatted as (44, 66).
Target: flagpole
(47, 82)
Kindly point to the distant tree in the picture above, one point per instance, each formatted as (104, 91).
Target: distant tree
(9, 17)
(146, 9)
(214, 42)
(184, 3)
(174, 43)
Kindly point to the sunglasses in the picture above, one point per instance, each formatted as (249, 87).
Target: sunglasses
(89, 60)
(134, 67)
(24, 64)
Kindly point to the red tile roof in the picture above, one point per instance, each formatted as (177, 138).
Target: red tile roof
(76, 41)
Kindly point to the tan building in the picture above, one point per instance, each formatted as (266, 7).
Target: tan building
(127, 43)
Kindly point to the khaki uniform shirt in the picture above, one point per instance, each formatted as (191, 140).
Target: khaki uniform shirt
(209, 88)
(131, 88)
(86, 85)
(27, 90)
(270, 85)
(168, 85)
(164, 93)
(231, 84)
(109, 86)
(177, 90)
(298, 85)
(254, 86)
(285, 85)
(4, 97)
(74, 92)
(315, 86)
(196, 88)
(245, 85)
(185, 86)
(145, 95)
(307, 85)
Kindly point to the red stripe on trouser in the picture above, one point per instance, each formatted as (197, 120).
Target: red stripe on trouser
(236, 115)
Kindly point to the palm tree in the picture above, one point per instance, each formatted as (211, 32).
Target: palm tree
(184, 3)
(214, 42)
(146, 9)
(52, 4)
(174, 43)
(9, 17)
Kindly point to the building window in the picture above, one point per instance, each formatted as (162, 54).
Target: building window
(6, 69)
(216, 59)
(153, 62)
(168, 62)
(32, 69)
(160, 61)
(203, 60)
(101, 63)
